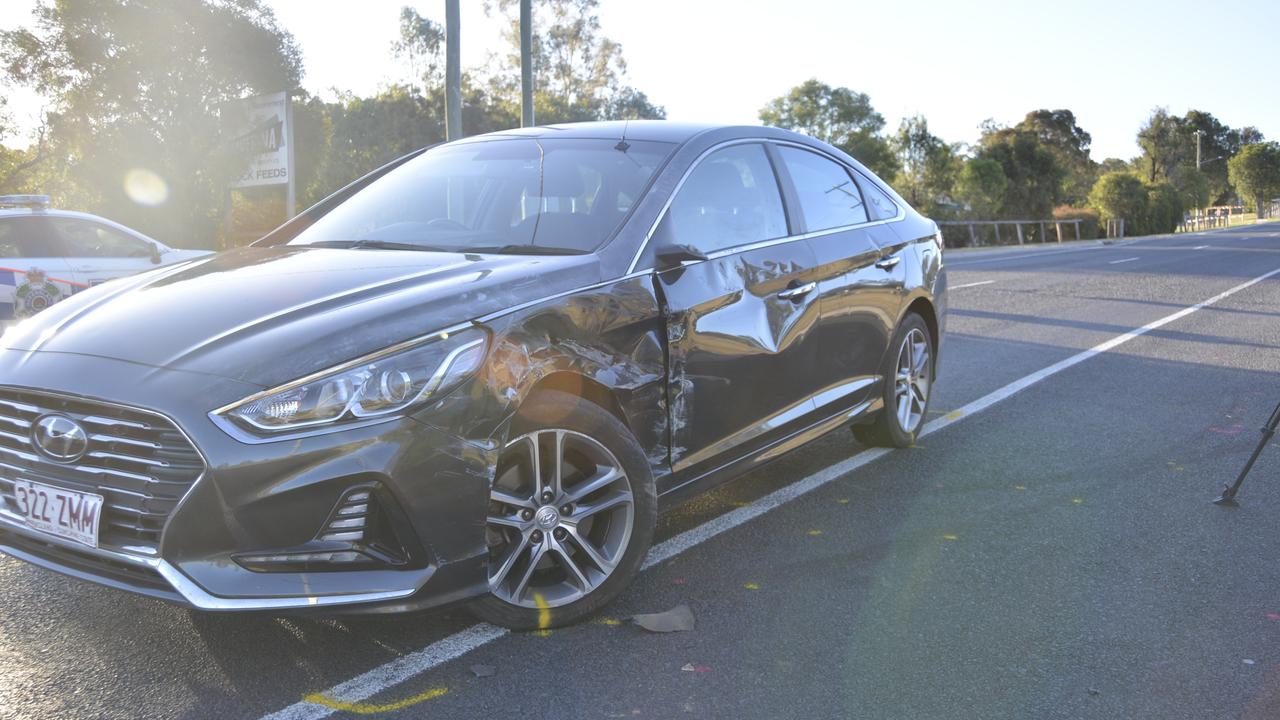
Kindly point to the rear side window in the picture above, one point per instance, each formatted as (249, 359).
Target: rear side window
(882, 208)
(89, 239)
(28, 237)
(829, 198)
(731, 198)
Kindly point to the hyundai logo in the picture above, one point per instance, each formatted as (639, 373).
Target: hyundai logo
(547, 518)
(60, 437)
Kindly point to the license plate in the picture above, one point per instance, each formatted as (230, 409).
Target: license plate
(64, 513)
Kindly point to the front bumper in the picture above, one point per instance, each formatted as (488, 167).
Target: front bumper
(262, 498)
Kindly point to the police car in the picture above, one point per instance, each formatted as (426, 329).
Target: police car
(46, 255)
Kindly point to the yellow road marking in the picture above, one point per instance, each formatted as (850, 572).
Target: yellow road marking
(751, 586)
(950, 537)
(369, 709)
(953, 415)
(544, 615)
(815, 533)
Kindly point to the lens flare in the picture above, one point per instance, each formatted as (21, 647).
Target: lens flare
(145, 187)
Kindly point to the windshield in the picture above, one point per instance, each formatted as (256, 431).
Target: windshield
(517, 195)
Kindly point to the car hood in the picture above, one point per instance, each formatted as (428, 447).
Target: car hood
(270, 315)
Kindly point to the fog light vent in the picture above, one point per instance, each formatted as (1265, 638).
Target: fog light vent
(351, 518)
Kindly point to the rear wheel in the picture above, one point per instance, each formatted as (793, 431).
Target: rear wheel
(571, 515)
(908, 374)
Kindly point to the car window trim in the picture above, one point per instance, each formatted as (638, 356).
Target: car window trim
(635, 260)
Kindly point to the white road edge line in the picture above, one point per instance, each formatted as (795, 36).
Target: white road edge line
(1200, 247)
(414, 664)
(976, 284)
(1117, 262)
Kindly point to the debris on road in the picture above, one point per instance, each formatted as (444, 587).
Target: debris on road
(483, 671)
(690, 667)
(677, 619)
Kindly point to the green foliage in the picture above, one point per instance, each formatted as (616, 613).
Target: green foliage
(1089, 217)
(837, 116)
(148, 84)
(1120, 195)
(579, 74)
(1255, 172)
(1058, 132)
(1195, 187)
(928, 166)
(981, 187)
(1164, 209)
(1163, 149)
(1033, 172)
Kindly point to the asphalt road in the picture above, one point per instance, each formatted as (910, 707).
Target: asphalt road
(1053, 555)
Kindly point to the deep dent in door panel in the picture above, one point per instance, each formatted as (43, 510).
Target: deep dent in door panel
(743, 318)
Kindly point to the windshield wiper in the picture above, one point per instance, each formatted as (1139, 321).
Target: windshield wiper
(523, 250)
(379, 245)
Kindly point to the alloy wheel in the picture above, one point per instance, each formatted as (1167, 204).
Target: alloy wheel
(561, 514)
(911, 387)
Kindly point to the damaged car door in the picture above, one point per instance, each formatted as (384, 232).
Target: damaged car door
(740, 304)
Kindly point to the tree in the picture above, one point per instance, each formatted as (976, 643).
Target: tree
(579, 74)
(1195, 188)
(1165, 207)
(150, 84)
(837, 116)
(1120, 195)
(1034, 175)
(1255, 172)
(1058, 132)
(1162, 140)
(928, 166)
(981, 187)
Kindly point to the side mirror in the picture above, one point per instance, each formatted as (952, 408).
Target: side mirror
(673, 256)
(155, 255)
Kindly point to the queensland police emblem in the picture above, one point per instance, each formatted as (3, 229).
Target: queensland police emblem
(36, 293)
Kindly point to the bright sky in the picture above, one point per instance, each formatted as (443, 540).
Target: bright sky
(957, 62)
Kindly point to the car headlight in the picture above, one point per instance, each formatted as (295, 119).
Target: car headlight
(374, 386)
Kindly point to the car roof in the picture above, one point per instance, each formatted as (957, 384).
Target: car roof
(650, 130)
(46, 212)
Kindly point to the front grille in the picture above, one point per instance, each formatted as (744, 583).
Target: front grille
(138, 461)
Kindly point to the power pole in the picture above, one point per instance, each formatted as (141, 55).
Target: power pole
(452, 73)
(526, 63)
(1198, 134)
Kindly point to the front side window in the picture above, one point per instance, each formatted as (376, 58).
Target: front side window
(829, 198)
(89, 239)
(28, 237)
(557, 195)
(731, 198)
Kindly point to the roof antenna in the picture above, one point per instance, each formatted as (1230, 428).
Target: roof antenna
(623, 145)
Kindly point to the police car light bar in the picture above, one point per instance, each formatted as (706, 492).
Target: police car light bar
(35, 202)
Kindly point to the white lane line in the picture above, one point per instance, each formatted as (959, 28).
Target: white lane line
(409, 666)
(1117, 262)
(1200, 247)
(984, 282)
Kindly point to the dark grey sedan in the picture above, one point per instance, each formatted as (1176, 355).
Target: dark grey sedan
(476, 374)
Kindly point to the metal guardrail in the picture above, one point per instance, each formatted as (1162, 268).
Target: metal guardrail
(1043, 226)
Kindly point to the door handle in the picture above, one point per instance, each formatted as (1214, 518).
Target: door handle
(799, 291)
(889, 263)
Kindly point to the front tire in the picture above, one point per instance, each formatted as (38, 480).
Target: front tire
(907, 387)
(571, 515)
